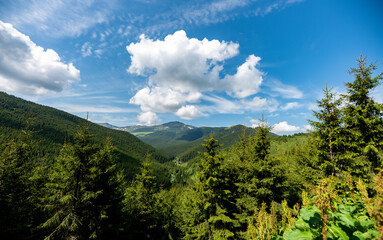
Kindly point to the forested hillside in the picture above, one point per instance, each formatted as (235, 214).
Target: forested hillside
(54, 127)
(184, 141)
(324, 185)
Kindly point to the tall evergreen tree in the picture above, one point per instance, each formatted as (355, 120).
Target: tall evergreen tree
(83, 191)
(260, 177)
(147, 212)
(328, 133)
(16, 210)
(216, 186)
(262, 142)
(364, 116)
(107, 183)
(259, 174)
(68, 196)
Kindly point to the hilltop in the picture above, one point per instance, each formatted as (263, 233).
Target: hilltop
(182, 140)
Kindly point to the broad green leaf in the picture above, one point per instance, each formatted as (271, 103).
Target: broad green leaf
(345, 219)
(336, 233)
(302, 225)
(365, 223)
(311, 215)
(298, 235)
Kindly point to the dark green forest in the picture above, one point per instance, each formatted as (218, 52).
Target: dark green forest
(63, 177)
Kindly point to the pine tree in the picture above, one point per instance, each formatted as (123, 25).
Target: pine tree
(260, 177)
(363, 116)
(84, 191)
(328, 133)
(16, 209)
(262, 142)
(140, 205)
(107, 183)
(216, 187)
(68, 196)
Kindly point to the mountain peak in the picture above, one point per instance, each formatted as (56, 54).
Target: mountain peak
(176, 124)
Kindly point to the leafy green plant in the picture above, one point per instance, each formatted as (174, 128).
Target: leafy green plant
(333, 216)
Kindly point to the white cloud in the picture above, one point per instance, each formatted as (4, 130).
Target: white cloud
(377, 94)
(162, 99)
(86, 49)
(189, 112)
(28, 69)
(255, 123)
(188, 64)
(61, 17)
(286, 91)
(308, 127)
(182, 63)
(77, 108)
(212, 12)
(313, 107)
(148, 118)
(247, 80)
(290, 105)
(284, 127)
(293, 1)
(221, 105)
(181, 69)
(258, 104)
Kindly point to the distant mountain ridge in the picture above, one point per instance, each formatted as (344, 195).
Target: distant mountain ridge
(144, 130)
(182, 140)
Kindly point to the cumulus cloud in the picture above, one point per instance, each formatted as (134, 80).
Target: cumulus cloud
(247, 80)
(257, 123)
(284, 127)
(177, 61)
(28, 69)
(308, 127)
(181, 69)
(148, 118)
(189, 112)
(162, 99)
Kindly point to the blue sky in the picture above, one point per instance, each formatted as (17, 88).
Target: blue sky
(205, 63)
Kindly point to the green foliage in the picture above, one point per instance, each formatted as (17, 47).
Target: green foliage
(216, 191)
(328, 134)
(83, 194)
(260, 177)
(16, 164)
(363, 117)
(263, 225)
(334, 215)
(148, 209)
